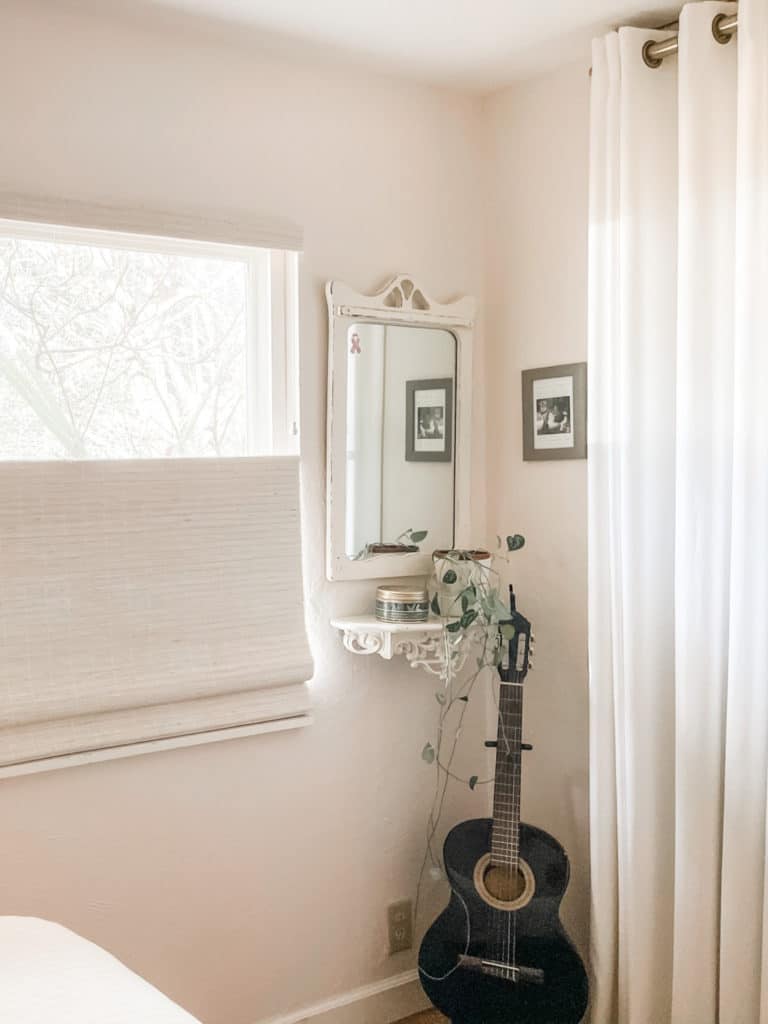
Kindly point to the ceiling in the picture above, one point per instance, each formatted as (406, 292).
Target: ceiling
(475, 44)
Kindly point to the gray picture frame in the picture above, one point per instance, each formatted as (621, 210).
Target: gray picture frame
(574, 400)
(412, 387)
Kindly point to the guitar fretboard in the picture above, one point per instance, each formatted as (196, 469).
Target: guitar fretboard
(505, 836)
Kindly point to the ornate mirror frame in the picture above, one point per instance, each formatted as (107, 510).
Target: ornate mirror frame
(402, 301)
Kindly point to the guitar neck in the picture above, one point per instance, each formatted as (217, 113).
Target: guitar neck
(505, 837)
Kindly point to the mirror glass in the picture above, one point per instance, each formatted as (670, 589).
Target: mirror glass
(400, 443)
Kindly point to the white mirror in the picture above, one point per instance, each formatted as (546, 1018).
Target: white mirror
(398, 429)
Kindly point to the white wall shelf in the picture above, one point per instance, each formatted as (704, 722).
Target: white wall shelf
(422, 644)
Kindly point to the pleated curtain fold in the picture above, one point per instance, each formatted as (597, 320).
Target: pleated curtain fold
(678, 524)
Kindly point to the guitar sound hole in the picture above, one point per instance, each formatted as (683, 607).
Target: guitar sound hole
(505, 884)
(502, 886)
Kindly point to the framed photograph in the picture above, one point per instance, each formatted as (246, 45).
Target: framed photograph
(555, 412)
(429, 420)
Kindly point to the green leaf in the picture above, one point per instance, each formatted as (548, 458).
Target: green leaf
(453, 627)
(515, 542)
(417, 536)
(473, 781)
(440, 697)
(468, 618)
(435, 605)
(428, 753)
(464, 602)
(450, 576)
(496, 610)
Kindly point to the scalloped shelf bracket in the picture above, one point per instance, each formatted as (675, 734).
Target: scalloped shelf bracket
(422, 644)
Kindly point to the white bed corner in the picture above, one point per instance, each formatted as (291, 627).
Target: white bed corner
(50, 975)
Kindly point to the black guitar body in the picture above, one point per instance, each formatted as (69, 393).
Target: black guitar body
(551, 987)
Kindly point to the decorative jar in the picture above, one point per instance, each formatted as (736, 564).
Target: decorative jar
(402, 604)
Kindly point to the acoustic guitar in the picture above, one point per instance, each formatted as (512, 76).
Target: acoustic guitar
(499, 954)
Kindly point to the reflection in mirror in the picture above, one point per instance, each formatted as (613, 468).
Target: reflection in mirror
(400, 437)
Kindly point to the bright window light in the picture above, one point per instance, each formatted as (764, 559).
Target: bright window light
(117, 346)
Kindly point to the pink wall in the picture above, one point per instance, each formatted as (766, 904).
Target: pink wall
(538, 139)
(213, 870)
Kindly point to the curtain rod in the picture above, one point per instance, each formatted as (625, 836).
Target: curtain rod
(723, 28)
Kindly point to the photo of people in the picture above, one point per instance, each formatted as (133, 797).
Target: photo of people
(555, 412)
(553, 415)
(430, 422)
(552, 410)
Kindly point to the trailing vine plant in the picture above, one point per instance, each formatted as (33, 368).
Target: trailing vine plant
(473, 620)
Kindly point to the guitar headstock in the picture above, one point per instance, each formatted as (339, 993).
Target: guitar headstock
(516, 632)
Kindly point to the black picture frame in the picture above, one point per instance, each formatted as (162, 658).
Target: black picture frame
(425, 449)
(555, 412)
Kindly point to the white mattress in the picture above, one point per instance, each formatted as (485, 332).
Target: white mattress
(49, 975)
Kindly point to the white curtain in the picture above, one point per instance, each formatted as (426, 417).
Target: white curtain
(678, 491)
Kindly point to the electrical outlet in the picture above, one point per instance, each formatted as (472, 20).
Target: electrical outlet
(400, 921)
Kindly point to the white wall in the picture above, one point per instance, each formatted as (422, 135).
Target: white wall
(249, 877)
(537, 138)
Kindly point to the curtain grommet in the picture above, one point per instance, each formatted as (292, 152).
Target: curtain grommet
(652, 62)
(720, 36)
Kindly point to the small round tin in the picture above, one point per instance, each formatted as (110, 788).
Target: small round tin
(402, 604)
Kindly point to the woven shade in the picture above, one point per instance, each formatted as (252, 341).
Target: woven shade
(142, 600)
(240, 227)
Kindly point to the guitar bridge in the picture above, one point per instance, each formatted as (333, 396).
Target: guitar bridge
(509, 972)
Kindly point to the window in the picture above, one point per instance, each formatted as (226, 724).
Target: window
(152, 590)
(118, 346)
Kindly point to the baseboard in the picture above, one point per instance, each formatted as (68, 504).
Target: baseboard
(380, 1003)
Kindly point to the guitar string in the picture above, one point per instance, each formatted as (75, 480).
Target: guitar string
(513, 700)
(503, 841)
(516, 802)
(509, 748)
(514, 839)
(502, 917)
(510, 754)
(499, 915)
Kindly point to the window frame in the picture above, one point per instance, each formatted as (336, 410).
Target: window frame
(272, 317)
